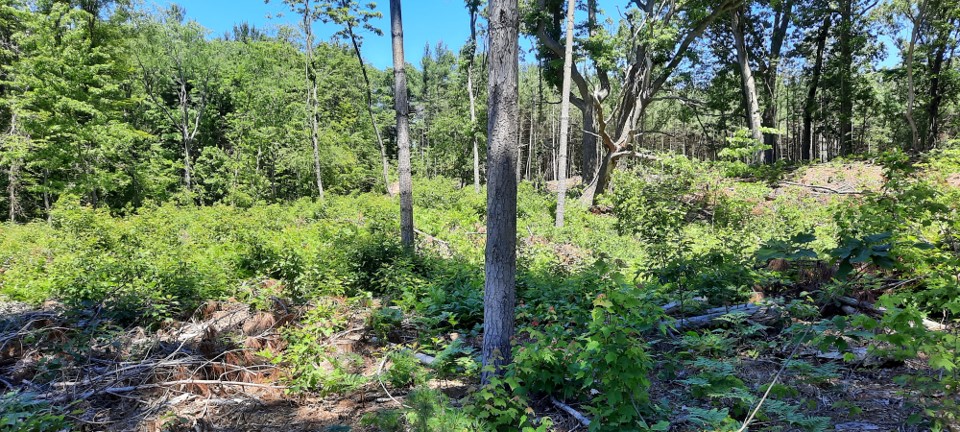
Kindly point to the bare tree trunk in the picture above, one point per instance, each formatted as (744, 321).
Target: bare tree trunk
(565, 117)
(499, 295)
(315, 138)
(771, 75)
(311, 78)
(810, 104)
(470, 91)
(748, 85)
(936, 91)
(373, 119)
(845, 42)
(911, 83)
(403, 128)
(13, 173)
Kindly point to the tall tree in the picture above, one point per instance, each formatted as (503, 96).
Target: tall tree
(173, 57)
(403, 127)
(473, 6)
(499, 295)
(565, 117)
(810, 101)
(351, 17)
(309, 13)
(748, 85)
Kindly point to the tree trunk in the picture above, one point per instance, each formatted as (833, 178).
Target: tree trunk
(373, 120)
(501, 253)
(315, 139)
(403, 128)
(565, 117)
(845, 42)
(936, 89)
(470, 91)
(311, 79)
(810, 104)
(748, 85)
(772, 75)
(911, 82)
(13, 173)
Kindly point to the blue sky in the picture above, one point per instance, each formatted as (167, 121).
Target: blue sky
(425, 21)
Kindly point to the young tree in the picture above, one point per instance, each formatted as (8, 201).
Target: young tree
(499, 294)
(309, 14)
(350, 15)
(473, 6)
(174, 57)
(565, 117)
(403, 127)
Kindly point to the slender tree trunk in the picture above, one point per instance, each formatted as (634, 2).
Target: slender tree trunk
(911, 82)
(748, 85)
(13, 173)
(772, 75)
(936, 92)
(373, 120)
(315, 139)
(810, 104)
(403, 128)
(311, 81)
(185, 135)
(845, 42)
(470, 91)
(501, 251)
(565, 117)
(530, 144)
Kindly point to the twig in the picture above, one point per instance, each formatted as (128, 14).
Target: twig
(382, 385)
(825, 188)
(569, 410)
(746, 423)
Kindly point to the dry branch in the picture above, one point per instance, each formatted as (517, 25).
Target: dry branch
(569, 410)
(752, 310)
(871, 309)
(817, 188)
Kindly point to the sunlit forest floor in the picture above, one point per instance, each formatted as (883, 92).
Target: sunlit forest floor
(694, 297)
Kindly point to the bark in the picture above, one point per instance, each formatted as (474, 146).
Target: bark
(311, 79)
(501, 255)
(564, 117)
(936, 98)
(810, 104)
(845, 43)
(911, 82)
(771, 74)
(748, 85)
(936, 91)
(473, 106)
(403, 128)
(13, 173)
(373, 120)
(590, 160)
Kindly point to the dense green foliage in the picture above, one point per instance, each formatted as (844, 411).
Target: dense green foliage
(151, 169)
(589, 293)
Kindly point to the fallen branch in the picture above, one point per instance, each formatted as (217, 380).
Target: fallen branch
(752, 310)
(675, 305)
(823, 188)
(569, 410)
(128, 389)
(872, 309)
